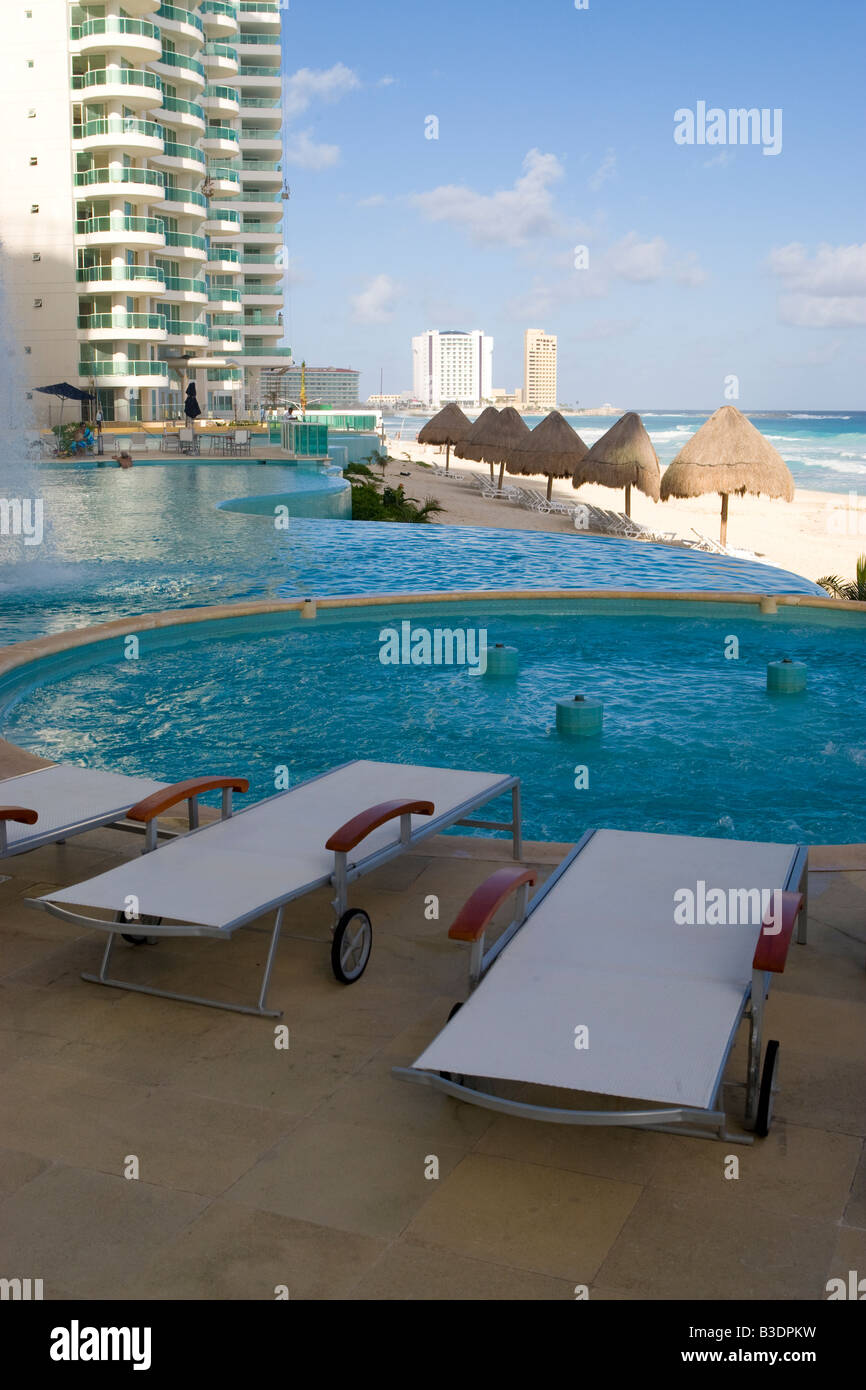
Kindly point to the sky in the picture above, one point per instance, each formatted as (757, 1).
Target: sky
(709, 272)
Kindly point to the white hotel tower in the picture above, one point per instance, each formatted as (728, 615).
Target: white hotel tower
(141, 216)
(452, 365)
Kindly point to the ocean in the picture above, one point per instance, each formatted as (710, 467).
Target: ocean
(825, 450)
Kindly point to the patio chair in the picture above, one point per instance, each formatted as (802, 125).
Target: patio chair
(604, 987)
(170, 442)
(188, 441)
(224, 876)
(241, 441)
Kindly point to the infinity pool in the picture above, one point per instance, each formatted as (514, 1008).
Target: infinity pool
(692, 742)
(123, 542)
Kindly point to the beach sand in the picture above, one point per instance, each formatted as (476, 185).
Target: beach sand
(818, 533)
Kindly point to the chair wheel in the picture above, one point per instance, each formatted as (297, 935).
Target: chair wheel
(351, 946)
(767, 1091)
(139, 940)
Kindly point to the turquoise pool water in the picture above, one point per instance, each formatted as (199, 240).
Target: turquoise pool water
(122, 542)
(692, 742)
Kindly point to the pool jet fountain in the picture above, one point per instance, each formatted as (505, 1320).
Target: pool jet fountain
(501, 660)
(786, 677)
(579, 717)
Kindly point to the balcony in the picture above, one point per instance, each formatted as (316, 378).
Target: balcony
(223, 222)
(187, 246)
(265, 263)
(262, 295)
(225, 99)
(186, 157)
(223, 179)
(231, 377)
(117, 230)
(258, 234)
(228, 338)
(177, 67)
(179, 289)
(268, 327)
(259, 11)
(184, 23)
(255, 140)
(95, 328)
(116, 180)
(225, 300)
(268, 205)
(135, 87)
(220, 19)
(185, 202)
(220, 60)
(124, 372)
(187, 115)
(126, 133)
(220, 139)
(185, 333)
(254, 47)
(137, 40)
(146, 279)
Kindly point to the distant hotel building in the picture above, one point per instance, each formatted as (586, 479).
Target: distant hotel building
(330, 386)
(539, 369)
(142, 212)
(451, 365)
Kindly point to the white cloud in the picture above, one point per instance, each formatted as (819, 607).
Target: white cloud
(308, 85)
(827, 290)
(301, 149)
(635, 260)
(689, 271)
(375, 303)
(723, 157)
(375, 200)
(386, 81)
(510, 217)
(606, 170)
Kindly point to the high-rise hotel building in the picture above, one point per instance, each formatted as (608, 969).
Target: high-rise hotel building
(452, 365)
(141, 216)
(539, 369)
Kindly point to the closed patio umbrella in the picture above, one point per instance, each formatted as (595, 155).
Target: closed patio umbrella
(623, 457)
(727, 454)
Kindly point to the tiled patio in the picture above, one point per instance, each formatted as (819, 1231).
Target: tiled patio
(262, 1167)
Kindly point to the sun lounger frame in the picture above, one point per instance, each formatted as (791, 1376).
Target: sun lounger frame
(712, 1122)
(345, 871)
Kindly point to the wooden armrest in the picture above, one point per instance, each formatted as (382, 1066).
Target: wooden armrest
(157, 802)
(476, 913)
(351, 834)
(772, 948)
(19, 813)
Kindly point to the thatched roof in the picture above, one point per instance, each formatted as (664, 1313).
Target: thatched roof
(494, 436)
(727, 455)
(552, 448)
(448, 427)
(624, 457)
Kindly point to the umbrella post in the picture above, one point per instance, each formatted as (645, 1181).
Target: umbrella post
(628, 499)
(501, 474)
(723, 534)
(447, 456)
(549, 486)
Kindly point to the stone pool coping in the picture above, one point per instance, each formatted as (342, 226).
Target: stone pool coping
(15, 760)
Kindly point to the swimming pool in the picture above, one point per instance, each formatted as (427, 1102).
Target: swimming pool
(156, 537)
(692, 742)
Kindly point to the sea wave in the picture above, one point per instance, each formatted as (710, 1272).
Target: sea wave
(819, 417)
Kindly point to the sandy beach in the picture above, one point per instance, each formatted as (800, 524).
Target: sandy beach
(818, 533)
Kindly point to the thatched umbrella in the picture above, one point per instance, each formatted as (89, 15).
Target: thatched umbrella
(469, 448)
(624, 457)
(449, 427)
(552, 448)
(495, 436)
(727, 454)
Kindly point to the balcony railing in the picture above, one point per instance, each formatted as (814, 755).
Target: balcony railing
(128, 367)
(119, 174)
(221, 132)
(122, 320)
(180, 16)
(262, 289)
(215, 49)
(93, 28)
(180, 60)
(185, 195)
(220, 7)
(222, 293)
(185, 239)
(259, 104)
(264, 166)
(225, 374)
(263, 321)
(183, 108)
(224, 335)
(185, 328)
(269, 7)
(247, 70)
(221, 93)
(153, 226)
(120, 272)
(260, 258)
(256, 39)
(221, 171)
(184, 285)
(224, 215)
(176, 151)
(122, 77)
(252, 197)
(117, 125)
(223, 253)
(254, 351)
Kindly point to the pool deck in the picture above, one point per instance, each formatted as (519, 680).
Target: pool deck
(305, 1167)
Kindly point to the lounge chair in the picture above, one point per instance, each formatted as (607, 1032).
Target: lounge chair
(596, 988)
(224, 876)
(54, 803)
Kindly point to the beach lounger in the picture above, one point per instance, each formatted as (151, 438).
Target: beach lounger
(597, 988)
(330, 830)
(54, 803)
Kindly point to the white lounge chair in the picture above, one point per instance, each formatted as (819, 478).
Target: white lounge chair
(54, 803)
(598, 989)
(224, 876)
